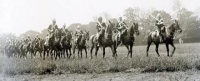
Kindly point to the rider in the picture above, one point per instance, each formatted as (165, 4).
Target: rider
(100, 24)
(28, 39)
(64, 32)
(37, 39)
(121, 27)
(51, 29)
(78, 33)
(159, 24)
(8, 41)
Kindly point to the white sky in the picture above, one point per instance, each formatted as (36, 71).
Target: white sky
(18, 16)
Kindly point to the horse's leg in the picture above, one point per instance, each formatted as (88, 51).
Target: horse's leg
(167, 47)
(174, 48)
(63, 52)
(85, 51)
(40, 53)
(70, 53)
(157, 45)
(96, 51)
(74, 52)
(78, 52)
(81, 52)
(55, 54)
(104, 52)
(113, 50)
(44, 55)
(91, 49)
(131, 46)
(31, 55)
(128, 50)
(148, 46)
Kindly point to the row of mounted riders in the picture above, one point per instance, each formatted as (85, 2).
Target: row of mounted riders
(59, 45)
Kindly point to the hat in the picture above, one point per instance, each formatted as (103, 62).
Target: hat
(100, 18)
(54, 20)
(64, 25)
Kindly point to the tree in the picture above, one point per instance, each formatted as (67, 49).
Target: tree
(30, 33)
(106, 16)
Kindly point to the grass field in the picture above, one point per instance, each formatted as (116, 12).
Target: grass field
(186, 58)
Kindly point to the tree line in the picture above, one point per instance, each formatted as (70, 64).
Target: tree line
(189, 22)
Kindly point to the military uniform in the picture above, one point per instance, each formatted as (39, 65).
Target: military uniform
(37, 39)
(159, 24)
(78, 33)
(64, 32)
(52, 28)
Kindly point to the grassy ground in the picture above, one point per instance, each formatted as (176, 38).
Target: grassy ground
(185, 58)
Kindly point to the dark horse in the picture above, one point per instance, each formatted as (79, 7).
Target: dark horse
(67, 44)
(127, 37)
(105, 40)
(38, 47)
(54, 44)
(81, 43)
(168, 34)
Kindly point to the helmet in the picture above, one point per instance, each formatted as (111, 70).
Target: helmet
(100, 19)
(54, 20)
(64, 25)
(78, 26)
(120, 18)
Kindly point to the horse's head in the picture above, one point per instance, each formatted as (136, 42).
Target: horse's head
(134, 28)
(177, 26)
(87, 35)
(109, 28)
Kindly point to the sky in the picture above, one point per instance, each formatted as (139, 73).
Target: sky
(19, 16)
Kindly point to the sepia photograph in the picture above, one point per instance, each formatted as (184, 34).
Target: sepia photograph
(99, 40)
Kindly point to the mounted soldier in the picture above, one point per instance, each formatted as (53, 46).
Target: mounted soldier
(64, 32)
(78, 33)
(51, 30)
(28, 39)
(52, 27)
(8, 41)
(37, 39)
(100, 24)
(121, 27)
(159, 24)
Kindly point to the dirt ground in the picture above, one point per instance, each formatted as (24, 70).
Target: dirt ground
(190, 75)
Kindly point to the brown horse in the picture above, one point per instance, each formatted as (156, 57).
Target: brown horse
(127, 38)
(105, 40)
(54, 44)
(168, 35)
(66, 42)
(81, 43)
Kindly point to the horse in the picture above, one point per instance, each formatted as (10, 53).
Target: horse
(105, 40)
(66, 42)
(168, 35)
(38, 47)
(24, 50)
(81, 43)
(127, 38)
(54, 44)
(46, 47)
